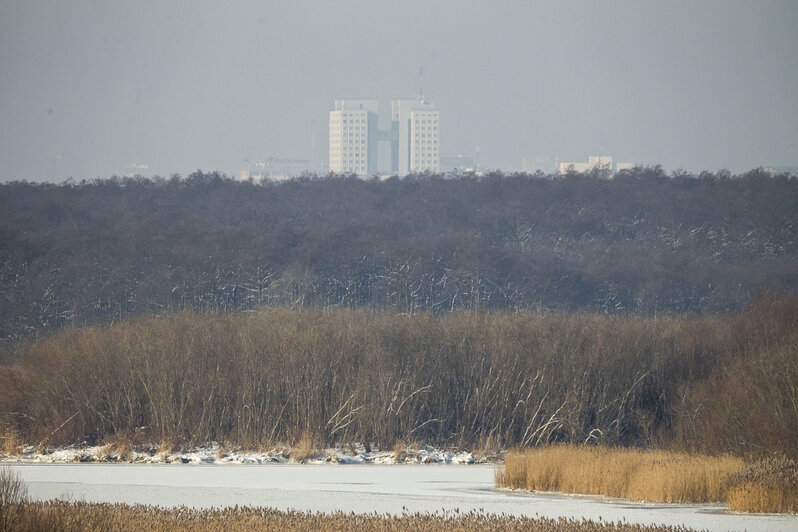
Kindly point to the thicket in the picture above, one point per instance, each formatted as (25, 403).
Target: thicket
(642, 243)
(712, 384)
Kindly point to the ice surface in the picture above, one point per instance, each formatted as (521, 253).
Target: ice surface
(357, 488)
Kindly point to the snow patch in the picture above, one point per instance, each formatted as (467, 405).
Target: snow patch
(216, 454)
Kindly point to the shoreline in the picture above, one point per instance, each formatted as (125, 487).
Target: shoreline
(214, 453)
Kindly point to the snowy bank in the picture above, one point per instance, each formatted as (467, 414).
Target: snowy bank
(218, 454)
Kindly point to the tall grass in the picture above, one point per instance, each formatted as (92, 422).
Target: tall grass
(382, 378)
(656, 476)
(9, 442)
(13, 493)
(79, 516)
(769, 485)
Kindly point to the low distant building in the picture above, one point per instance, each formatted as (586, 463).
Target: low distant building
(601, 163)
(547, 165)
(791, 170)
(594, 162)
(276, 169)
(456, 162)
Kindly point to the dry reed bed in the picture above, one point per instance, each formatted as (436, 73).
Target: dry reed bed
(79, 516)
(654, 476)
(769, 485)
(479, 381)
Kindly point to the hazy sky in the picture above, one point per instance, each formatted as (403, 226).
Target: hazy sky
(91, 89)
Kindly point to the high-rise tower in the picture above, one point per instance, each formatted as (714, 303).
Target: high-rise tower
(417, 148)
(353, 137)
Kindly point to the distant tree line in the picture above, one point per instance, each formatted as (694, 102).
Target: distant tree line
(643, 242)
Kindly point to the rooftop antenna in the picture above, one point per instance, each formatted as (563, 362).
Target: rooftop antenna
(421, 85)
(312, 145)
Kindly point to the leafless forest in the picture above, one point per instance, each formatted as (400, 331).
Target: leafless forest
(643, 243)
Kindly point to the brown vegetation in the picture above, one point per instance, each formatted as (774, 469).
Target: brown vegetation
(9, 442)
(399, 452)
(79, 516)
(308, 446)
(118, 447)
(748, 405)
(655, 476)
(463, 380)
(13, 493)
(767, 486)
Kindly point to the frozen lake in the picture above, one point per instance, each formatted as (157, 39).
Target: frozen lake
(356, 488)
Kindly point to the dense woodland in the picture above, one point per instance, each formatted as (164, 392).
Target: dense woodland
(643, 243)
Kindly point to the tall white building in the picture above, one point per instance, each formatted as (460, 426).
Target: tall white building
(417, 148)
(425, 155)
(353, 140)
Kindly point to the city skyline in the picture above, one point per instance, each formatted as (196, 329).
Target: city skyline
(412, 137)
(93, 90)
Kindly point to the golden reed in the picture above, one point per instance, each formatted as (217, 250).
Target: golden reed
(79, 516)
(655, 476)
